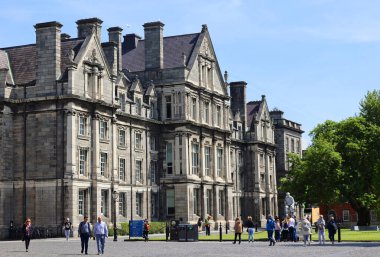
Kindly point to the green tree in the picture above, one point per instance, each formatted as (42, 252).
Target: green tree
(343, 162)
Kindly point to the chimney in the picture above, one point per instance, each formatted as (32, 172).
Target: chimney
(114, 35)
(154, 45)
(130, 41)
(65, 36)
(110, 51)
(238, 99)
(87, 26)
(48, 55)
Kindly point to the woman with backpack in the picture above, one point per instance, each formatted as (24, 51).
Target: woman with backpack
(146, 230)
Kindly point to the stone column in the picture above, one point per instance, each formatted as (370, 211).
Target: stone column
(71, 146)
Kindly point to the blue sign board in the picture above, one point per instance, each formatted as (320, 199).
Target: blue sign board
(136, 228)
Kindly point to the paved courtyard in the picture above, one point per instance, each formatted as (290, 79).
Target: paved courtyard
(59, 247)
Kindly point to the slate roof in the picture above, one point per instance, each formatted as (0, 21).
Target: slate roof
(252, 108)
(23, 59)
(174, 46)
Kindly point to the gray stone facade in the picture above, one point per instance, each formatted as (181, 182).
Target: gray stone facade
(152, 120)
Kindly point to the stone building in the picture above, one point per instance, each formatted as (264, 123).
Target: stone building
(139, 128)
(288, 138)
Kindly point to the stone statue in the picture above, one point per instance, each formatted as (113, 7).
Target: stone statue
(289, 203)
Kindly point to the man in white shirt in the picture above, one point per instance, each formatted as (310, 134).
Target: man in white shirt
(101, 232)
(291, 225)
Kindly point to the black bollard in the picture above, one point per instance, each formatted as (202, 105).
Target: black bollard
(220, 232)
(339, 233)
(256, 227)
(167, 231)
(227, 225)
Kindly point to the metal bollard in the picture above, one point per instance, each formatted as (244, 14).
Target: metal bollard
(227, 226)
(220, 232)
(167, 231)
(339, 238)
(256, 227)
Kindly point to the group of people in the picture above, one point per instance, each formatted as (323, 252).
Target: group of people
(100, 232)
(288, 229)
(239, 226)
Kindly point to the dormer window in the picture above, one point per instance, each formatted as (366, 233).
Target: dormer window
(138, 106)
(152, 110)
(168, 100)
(122, 102)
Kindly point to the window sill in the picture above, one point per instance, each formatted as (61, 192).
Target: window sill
(139, 150)
(122, 147)
(105, 141)
(83, 137)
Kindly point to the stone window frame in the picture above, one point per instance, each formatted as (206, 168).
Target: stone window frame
(103, 135)
(208, 161)
(219, 161)
(104, 165)
(139, 172)
(122, 174)
(122, 143)
(139, 204)
(104, 194)
(81, 201)
(169, 168)
(86, 131)
(138, 143)
(85, 163)
(122, 204)
(195, 157)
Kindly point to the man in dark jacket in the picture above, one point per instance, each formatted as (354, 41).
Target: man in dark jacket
(270, 228)
(84, 231)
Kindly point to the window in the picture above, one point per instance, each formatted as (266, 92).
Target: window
(262, 164)
(170, 202)
(82, 162)
(138, 140)
(346, 215)
(178, 111)
(169, 158)
(194, 108)
(138, 106)
(122, 169)
(138, 171)
(287, 144)
(104, 203)
(121, 137)
(153, 145)
(122, 102)
(240, 159)
(82, 125)
(168, 100)
(221, 202)
(139, 200)
(81, 202)
(298, 146)
(207, 160)
(153, 171)
(103, 129)
(208, 201)
(103, 164)
(194, 157)
(152, 110)
(207, 112)
(122, 204)
(218, 116)
(195, 201)
(219, 164)
(292, 145)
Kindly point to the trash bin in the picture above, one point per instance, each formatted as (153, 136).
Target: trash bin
(187, 233)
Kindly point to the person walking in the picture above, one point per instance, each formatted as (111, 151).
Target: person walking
(27, 232)
(277, 230)
(270, 227)
(332, 228)
(238, 229)
(68, 228)
(84, 231)
(321, 225)
(306, 231)
(146, 230)
(208, 225)
(250, 229)
(101, 232)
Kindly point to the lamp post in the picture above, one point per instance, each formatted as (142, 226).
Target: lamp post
(115, 196)
(256, 201)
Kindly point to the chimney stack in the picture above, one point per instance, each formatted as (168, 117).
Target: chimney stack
(238, 99)
(48, 55)
(114, 35)
(130, 41)
(154, 45)
(87, 26)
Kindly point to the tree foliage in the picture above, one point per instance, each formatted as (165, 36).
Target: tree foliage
(343, 162)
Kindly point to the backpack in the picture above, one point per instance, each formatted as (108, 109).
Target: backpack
(147, 227)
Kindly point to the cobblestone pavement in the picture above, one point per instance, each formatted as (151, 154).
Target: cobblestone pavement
(59, 247)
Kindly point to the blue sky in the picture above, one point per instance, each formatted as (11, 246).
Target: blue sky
(313, 59)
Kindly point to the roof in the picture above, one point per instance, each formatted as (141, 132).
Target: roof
(174, 47)
(252, 109)
(3, 60)
(23, 59)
